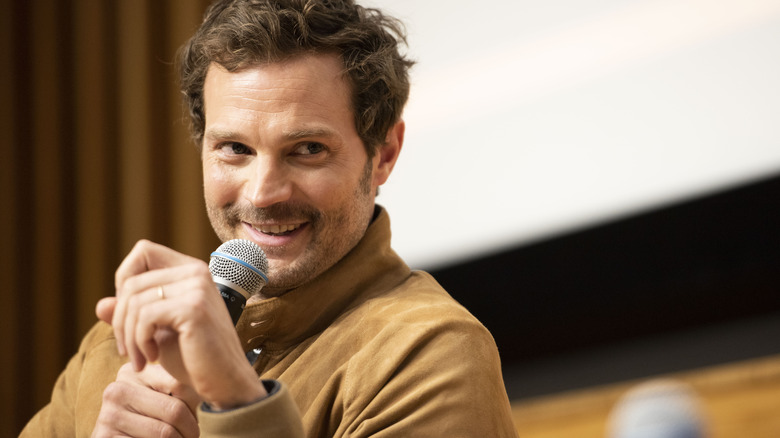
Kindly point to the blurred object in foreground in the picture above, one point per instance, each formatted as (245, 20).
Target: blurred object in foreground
(662, 408)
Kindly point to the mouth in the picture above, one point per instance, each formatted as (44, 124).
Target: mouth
(276, 229)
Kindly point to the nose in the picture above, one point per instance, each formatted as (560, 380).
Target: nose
(270, 183)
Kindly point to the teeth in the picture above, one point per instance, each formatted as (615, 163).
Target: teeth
(276, 229)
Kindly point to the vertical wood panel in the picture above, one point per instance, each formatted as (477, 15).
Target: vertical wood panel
(94, 156)
(159, 125)
(67, 187)
(48, 246)
(21, 249)
(135, 156)
(9, 301)
(95, 139)
(192, 233)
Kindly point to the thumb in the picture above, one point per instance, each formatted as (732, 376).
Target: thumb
(105, 309)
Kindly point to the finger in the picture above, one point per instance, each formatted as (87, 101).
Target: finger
(137, 304)
(125, 309)
(147, 290)
(145, 256)
(105, 309)
(158, 378)
(163, 276)
(148, 256)
(118, 321)
(140, 349)
(175, 412)
(192, 313)
(136, 410)
(125, 423)
(144, 289)
(151, 330)
(124, 318)
(187, 394)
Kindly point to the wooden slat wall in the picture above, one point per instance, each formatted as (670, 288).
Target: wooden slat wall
(10, 226)
(95, 155)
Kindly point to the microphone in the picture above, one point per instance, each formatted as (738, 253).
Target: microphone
(238, 268)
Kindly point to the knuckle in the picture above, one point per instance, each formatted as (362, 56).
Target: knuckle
(110, 415)
(142, 244)
(124, 371)
(199, 309)
(115, 392)
(178, 411)
(175, 412)
(198, 269)
(141, 247)
(165, 430)
(142, 315)
(131, 285)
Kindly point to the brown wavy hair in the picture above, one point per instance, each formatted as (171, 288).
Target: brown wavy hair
(241, 33)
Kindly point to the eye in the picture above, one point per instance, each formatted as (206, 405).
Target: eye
(309, 148)
(233, 148)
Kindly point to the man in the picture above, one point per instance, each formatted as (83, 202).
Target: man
(296, 106)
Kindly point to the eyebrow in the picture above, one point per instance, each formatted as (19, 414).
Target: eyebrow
(226, 134)
(310, 132)
(222, 134)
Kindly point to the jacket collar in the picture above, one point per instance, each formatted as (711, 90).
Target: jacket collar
(370, 268)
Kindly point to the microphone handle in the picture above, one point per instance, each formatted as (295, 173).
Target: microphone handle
(234, 301)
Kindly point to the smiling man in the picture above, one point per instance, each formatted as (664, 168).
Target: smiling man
(296, 107)
(285, 166)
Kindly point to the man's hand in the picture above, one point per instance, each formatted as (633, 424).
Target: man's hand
(168, 310)
(147, 404)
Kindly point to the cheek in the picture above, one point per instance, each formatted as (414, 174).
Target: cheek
(327, 190)
(220, 186)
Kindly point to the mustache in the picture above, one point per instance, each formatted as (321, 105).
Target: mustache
(284, 212)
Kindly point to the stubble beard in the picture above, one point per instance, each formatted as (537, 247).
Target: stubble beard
(334, 233)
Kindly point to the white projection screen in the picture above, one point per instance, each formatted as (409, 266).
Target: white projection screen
(529, 119)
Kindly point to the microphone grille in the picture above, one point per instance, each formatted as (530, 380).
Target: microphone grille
(241, 262)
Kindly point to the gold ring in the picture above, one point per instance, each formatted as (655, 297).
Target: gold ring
(160, 292)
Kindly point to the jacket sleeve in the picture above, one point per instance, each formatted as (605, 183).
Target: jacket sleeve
(77, 394)
(275, 415)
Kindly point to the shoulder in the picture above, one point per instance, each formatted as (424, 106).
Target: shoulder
(99, 335)
(419, 318)
(420, 301)
(98, 350)
(418, 356)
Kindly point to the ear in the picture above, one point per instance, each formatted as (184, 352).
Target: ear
(387, 153)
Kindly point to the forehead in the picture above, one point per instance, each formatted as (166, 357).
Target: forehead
(305, 83)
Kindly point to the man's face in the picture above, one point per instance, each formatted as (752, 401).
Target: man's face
(283, 165)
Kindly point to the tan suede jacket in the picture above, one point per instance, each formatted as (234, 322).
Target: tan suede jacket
(369, 349)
